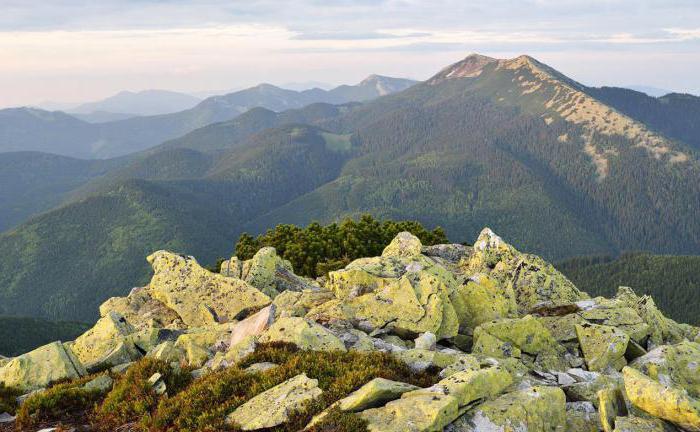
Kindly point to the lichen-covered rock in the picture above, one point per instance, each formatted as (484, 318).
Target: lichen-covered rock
(234, 354)
(673, 365)
(588, 384)
(481, 300)
(536, 409)
(374, 393)
(198, 296)
(412, 304)
(419, 413)
(611, 405)
(426, 341)
(639, 424)
(303, 333)
(582, 417)
(105, 345)
(196, 353)
(101, 383)
(602, 346)
(470, 385)
(168, 352)
(420, 360)
(272, 275)
(451, 253)
(142, 311)
(615, 313)
(662, 330)
(404, 244)
(533, 280)
(526, 334)
(39, 368)
(299, 303)
(273, 407)
(669, 403)
(254, 325)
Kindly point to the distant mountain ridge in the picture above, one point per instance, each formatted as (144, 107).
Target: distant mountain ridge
(511, 143)
(30, 129)
(147, 102)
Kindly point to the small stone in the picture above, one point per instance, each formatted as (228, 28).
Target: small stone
(426, 341)
(260, 367)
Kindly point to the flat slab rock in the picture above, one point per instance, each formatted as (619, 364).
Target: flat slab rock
(272, 407)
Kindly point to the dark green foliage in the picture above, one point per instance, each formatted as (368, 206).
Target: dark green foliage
(316, 249)
(61, 402)
(8, 398)
(19, 335)
(340, 421)
(672, 281)
(132, 398)
(204, 405)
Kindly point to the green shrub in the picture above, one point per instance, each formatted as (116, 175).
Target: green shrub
(317, 249)
(340, 421)
(61, 402)
(132, 397)
(8, 398)
(204, 405)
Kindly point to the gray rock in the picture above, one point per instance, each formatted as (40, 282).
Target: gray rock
(426, 341)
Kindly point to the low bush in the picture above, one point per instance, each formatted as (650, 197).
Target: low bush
(203, 406)
(8, 398)
(61, 402)
(132, 397)
(340, 421)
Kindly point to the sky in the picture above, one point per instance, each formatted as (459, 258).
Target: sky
(83, 50)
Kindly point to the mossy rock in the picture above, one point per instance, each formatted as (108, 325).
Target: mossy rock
(198, 296)
(41, 367)
(303, 333)
(603, 346)
(662, 401)
(106, 344)
(526, 334)
(416, 413)
(675, 365)
(532, 409)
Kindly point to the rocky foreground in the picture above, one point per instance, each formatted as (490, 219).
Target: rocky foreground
(518, 347)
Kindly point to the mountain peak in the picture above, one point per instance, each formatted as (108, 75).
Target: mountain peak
(471, 66)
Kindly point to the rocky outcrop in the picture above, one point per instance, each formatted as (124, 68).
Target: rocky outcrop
(516, 346)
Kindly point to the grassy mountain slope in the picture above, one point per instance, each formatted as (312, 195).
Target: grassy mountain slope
(673, 281)
(510, 144)
(33, 182)
(19, 335)
(66, 262)
(675, 115)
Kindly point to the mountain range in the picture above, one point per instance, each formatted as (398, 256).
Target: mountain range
(560, 168)
(32, 129)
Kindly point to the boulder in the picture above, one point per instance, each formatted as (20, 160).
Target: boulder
(451, 253)
(260, 367)
(420, 360)
(536, 409)
(254, 325)
(303, 333)
(404, 244)
(673, 365)
(234, 354)
(273, 407)
(470, 385)
(615, 313)
(198, 296)
(299, 303)
(582, 417)
(669, 403)
(603, 346)
(102, 383)
(639, 424)
(168, 352)
(142, 311)
(419, 413)
(662, 330)
(273, 275)
(105, 344)
(481, 300)
(533, 281)
(41, 367)
(526, 334)
(374, 393)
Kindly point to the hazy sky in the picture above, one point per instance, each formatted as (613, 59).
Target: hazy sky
(73, 50)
